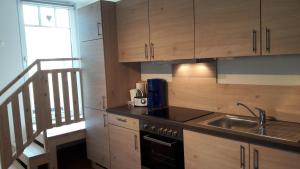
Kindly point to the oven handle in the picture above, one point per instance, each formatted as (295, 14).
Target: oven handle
(158, 141)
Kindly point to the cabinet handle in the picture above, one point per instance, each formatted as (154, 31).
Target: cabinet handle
(242, 157)
(256, 159)
(268, 40)
(103, 102)
(104, 120)
(146, 51)
(122, 120)
(98, 28)
(254, 38)
(152, 50)
(135, 143)
(153, 140)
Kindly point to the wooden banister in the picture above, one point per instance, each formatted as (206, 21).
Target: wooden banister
(36, 62)
(34, 94)
(9, 85)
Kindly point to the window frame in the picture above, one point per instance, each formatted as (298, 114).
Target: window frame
(72, 21)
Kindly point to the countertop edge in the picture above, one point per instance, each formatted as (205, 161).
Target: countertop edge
(218, 132)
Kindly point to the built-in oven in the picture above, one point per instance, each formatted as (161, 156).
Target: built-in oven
(161, 146)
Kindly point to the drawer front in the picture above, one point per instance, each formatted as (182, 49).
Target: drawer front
(123, 121)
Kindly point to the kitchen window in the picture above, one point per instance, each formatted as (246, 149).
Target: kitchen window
(49, 32)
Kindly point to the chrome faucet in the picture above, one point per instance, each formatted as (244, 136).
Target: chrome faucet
(262, 114)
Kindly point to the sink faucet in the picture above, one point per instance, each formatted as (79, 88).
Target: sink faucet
(262, 114)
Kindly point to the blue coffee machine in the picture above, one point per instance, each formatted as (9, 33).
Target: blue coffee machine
(157, 93)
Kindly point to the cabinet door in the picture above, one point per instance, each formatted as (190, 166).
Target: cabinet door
(89, 21)
(172, 29)
(268, 158)
(97, 136)
(208, 152)
(227, 28)
(124, 148)
(133, 30)
(93, 70)
(280, 27)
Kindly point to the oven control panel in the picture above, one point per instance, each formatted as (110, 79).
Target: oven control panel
(167, 130)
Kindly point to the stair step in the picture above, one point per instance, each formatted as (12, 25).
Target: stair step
(40, 139)
(16, 165)
(33, 152)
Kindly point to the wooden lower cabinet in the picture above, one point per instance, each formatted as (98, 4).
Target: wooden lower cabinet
(269, 158)
(97, 137)
(124, 148)
(203, 151)
(208, 152)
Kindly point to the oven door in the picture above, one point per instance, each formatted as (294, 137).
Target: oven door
(161, 153)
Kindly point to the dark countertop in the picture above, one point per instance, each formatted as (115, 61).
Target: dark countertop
(198, 126)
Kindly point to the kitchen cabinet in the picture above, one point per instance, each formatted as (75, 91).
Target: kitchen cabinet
(280, 27)
(133, 30)
(155, 30)
(204, 151)
(97, 136)
(268, 158)
(94, 79)
(171, 29)
(124, 140)
(227, 29)
(89, 22)
(105, 81)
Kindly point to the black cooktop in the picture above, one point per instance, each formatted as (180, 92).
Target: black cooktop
(177, 114)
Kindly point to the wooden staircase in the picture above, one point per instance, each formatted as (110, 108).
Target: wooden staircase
(33, 103)
(34, 155)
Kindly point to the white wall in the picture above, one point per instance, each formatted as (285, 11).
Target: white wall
(10, 45)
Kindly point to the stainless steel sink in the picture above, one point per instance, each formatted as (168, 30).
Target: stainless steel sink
(234, 123)
(274, 129)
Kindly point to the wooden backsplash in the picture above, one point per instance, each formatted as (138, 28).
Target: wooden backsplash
(200, 91)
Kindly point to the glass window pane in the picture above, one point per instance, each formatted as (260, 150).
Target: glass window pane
(47, 16)
(31, 15)
(45, 43)
(62, 18)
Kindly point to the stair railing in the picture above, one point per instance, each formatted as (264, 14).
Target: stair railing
(47, 99)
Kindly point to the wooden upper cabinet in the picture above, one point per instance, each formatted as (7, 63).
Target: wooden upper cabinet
(209, 152)
(171, 29)
(227, 28)
(268, 158)
(133, 30)
(280, 27)
(89, 21)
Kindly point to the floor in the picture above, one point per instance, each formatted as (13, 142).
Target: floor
(80, 164)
